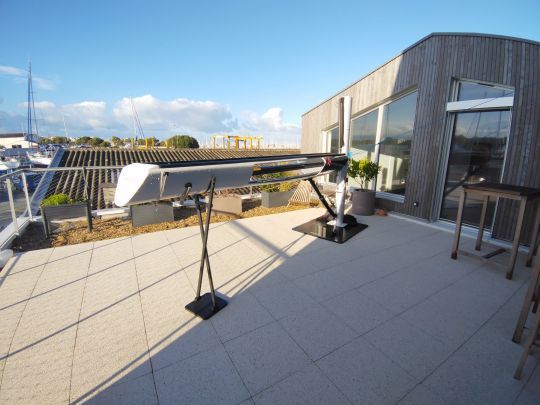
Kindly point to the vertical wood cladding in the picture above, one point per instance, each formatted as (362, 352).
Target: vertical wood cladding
(430, 66)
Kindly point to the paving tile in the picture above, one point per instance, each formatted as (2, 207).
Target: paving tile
(265, 356)
(10, 320)
(110, 253)
(489, 358)
(365, 375)
(317, 331)
(64, 270)
(40, 373)
(111, 346)
(148, 243)
(421, 395)
(283, 299)
(308, 386)
(297, 266)
(138, 391)
(242, 314)
(17, 288)
(21, 262)
(264, 274)
(442, 320)
(364, 270)
(151, 271)
(531, 392)
(358, 311)
(323, 285)
(208, 377)
(413, 349)
(174, 333)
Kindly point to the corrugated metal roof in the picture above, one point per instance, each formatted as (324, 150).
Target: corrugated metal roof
(70, 182)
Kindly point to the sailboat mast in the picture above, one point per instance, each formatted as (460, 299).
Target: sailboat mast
(31, 107)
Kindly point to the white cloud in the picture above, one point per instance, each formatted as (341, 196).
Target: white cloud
(160, 118)
(20, 75)
(178, 115)
(39, 105)
(269, 122)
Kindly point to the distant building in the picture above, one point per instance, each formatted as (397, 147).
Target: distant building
(16, 140)
(452, 109)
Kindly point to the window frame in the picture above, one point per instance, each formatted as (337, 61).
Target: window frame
(380, 117)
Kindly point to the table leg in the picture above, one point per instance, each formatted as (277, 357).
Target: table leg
(457, 233)
(536, 226)
(527, 302)
(478, 245)
(515, 244)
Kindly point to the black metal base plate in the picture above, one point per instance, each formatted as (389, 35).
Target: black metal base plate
(204, 308)
(319, 227)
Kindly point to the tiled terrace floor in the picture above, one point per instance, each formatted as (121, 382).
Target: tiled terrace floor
(386, 318)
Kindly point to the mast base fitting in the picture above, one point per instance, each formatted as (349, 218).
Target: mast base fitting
(320, 228)
(204, 308)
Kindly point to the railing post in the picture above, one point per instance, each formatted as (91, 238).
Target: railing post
(25, 188)
(12, 206)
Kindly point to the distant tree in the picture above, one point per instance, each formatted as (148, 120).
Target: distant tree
(105, 144)
(83, 140)
(44, 141)
(96, 141)
(183, 141)
(59, 139)
(117, 142)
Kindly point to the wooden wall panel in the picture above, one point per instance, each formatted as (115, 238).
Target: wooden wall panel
(430, 66)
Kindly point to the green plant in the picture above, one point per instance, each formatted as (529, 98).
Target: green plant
(56, 199)
(363, 170)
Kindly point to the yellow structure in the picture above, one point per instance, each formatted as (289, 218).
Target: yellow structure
(234, 141)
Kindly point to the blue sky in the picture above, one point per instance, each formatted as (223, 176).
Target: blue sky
(204, 67)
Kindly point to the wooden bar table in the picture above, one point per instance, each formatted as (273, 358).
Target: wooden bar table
(524, 195)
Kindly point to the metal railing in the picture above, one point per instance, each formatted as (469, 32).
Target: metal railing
(22, 190)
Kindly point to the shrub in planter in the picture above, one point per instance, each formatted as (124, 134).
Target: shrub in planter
(61, 206)
(363, 200)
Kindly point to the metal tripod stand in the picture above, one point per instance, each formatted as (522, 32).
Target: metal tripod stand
(208, 304)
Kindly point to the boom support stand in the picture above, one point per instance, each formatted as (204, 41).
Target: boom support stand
(325, 227)
(208, 304)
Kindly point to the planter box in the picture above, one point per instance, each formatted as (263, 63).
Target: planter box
(147, 214)
(276, 199)
(228, 205)
(363, 202)
(65, 211)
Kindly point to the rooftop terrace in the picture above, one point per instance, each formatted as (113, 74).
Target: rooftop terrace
(387, 317)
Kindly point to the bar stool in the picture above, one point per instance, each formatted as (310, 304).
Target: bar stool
(533, 341)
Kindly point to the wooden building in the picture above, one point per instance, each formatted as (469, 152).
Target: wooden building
(453, 108)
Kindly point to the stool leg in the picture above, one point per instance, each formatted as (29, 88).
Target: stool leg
(530, 342)
(515, 244)
(534, 237)
(478, 245)
(457, 233)
(527, 304)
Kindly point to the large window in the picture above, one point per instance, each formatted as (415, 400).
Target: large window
(385, 135)
(395, 144)
(363, 138)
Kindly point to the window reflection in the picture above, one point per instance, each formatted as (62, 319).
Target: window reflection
(395, 144)
(477, 155)
(363, 139)
(477, 91)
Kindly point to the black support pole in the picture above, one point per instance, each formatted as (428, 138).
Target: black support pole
(208, 304)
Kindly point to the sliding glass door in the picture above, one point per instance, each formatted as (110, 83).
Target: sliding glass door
(477, 154)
